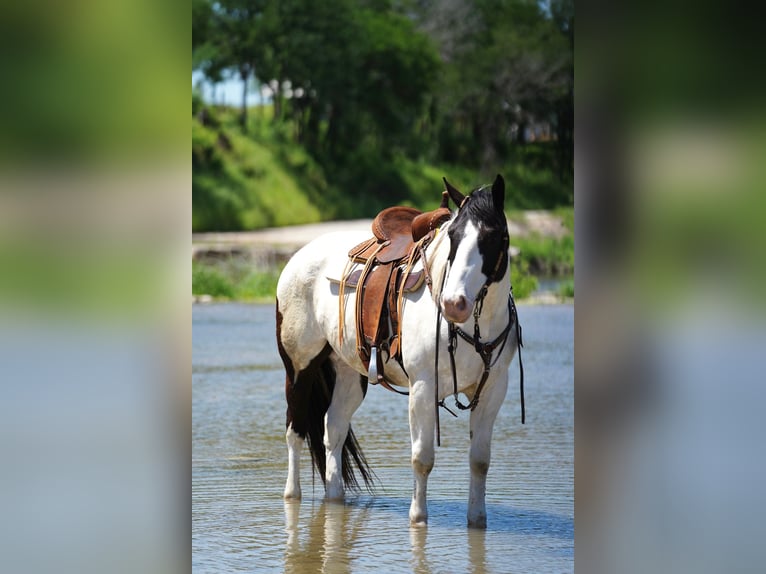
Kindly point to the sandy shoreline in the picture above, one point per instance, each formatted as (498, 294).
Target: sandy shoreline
(284, 240)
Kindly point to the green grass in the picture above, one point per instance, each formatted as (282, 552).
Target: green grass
(547, 255)
(234, 281)
(264, 178)
(523, 283)
(208, 280)
(241, 183)
(530, 181)
(566, 289)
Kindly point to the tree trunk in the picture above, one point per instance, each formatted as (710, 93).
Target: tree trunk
(276, 100)
(245, 75)
(312, 128)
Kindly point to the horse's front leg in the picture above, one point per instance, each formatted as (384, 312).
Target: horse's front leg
(422, 435)
(482, 421)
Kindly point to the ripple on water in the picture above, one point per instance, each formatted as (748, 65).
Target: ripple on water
(241, 523)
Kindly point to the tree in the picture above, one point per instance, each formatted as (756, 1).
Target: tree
(357, 74)
(508, 63)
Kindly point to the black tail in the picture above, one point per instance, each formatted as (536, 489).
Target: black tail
(309, 393)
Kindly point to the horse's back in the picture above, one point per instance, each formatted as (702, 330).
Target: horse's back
(319, 259)
(306, 298)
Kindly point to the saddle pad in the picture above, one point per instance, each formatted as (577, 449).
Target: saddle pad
(413, 283)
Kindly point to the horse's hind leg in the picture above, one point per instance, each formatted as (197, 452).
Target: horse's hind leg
(294, 449)
(346, 398)
(302, 356)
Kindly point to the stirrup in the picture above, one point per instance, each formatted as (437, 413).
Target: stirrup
(372, 373)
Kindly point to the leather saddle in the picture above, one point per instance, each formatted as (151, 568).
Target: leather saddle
(400, 235)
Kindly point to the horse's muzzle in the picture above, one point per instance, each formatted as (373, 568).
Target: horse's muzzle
(456, 309)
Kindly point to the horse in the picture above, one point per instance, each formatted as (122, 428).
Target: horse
(464, 311)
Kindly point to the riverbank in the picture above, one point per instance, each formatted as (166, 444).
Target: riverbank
(245, 266)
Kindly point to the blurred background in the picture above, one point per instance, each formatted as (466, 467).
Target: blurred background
(670, 324)
(94, 317)
(307, 112)
(354, 106)
(96, 220)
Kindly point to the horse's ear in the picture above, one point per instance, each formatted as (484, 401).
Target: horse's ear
(456, 196)
(498, 193)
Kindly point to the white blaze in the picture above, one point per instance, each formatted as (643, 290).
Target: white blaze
(465, 278)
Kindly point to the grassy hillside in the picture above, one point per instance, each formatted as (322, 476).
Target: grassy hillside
(265, 179)
(241, 183)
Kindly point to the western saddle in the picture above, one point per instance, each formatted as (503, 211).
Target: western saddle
(400, 236)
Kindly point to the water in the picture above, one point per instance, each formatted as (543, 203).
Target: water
(549, 284)
(240, 522)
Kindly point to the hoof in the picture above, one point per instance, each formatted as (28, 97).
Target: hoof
(480, 523)
(334, 495)
(419, 520)
(292, 494)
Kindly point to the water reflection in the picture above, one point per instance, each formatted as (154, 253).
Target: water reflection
(419, 560)
(241, 523)
(477, 550)
(339, 538)
(332, 533)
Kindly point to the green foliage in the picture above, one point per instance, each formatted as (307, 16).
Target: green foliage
(566, 289)
(239, 183)
(531, 180)
(258, 286)
(510, 68)
(547, 255)
(523, 283)
(567, 217)
(237, 280)
(373, 102)
(234, 280)
(263, 178)
(207, 280)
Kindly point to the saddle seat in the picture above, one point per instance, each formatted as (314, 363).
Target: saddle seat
(392, 236)
(400, 235)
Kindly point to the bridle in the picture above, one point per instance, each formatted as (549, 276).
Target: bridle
(484, 349)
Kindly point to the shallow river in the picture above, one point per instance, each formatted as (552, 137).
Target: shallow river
(240, 523)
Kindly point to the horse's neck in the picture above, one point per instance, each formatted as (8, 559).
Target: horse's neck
(494, 316)
(436, 257)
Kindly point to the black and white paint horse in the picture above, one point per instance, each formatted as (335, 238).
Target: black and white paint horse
(469, 300)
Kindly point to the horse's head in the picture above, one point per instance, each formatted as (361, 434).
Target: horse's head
(478, 254)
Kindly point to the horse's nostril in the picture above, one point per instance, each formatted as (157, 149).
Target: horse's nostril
(455, 309)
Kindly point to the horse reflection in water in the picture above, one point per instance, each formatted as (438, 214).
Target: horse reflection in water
(463, 313)
(332, 534)
(327, 543)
